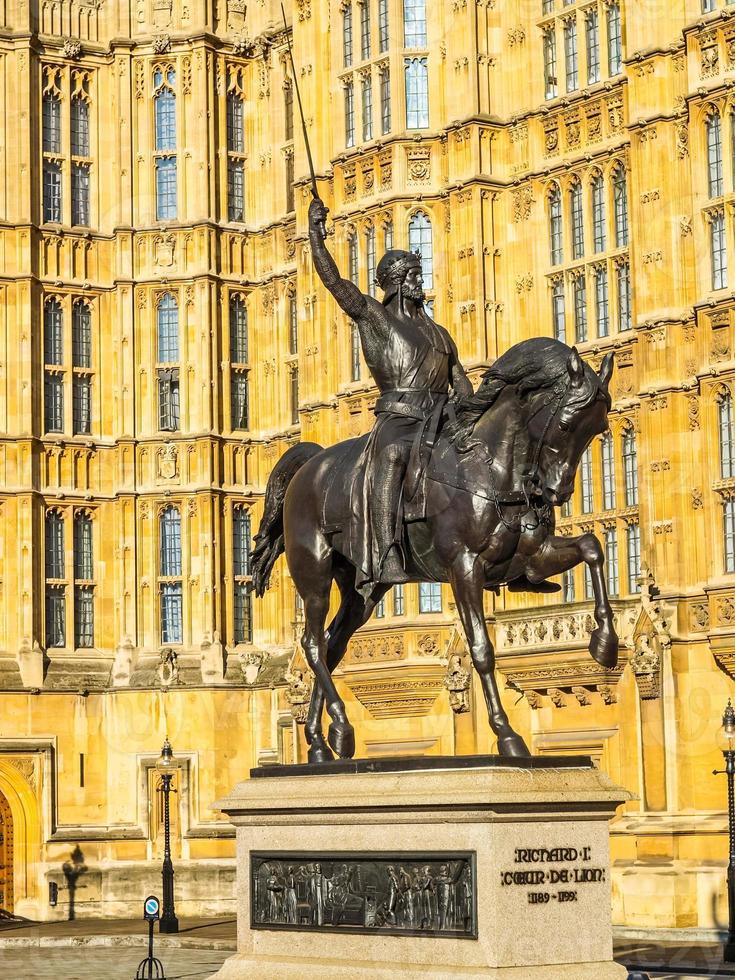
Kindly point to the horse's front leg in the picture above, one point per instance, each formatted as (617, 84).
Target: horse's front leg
(558, 554)
(467, 581)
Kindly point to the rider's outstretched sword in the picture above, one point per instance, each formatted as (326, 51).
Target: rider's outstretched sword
(314, 188)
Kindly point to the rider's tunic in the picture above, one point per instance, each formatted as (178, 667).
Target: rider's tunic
(407, 417)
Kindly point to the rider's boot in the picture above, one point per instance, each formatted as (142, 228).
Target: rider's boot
(386, 504)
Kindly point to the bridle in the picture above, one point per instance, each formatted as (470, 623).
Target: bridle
(529, 494)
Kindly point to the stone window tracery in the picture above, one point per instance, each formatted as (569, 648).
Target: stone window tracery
(165, 160)
(170, 576)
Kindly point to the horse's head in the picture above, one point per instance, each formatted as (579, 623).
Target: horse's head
(577, 413)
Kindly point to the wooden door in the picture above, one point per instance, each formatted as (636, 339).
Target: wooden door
(6, 856)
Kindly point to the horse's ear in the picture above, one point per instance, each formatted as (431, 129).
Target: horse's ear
(606, 369)
(575, 367)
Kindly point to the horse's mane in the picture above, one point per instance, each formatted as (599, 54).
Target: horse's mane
(532, 365)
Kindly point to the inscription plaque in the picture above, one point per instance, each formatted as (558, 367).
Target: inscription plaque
(409, 893)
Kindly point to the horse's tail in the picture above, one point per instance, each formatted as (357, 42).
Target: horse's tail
(269, 539)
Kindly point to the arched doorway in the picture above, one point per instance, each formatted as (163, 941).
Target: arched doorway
(6, 856)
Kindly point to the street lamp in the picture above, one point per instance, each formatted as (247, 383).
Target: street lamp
(726, 742)
(166, 767)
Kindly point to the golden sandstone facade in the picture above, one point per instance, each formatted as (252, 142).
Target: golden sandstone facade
(563, 167)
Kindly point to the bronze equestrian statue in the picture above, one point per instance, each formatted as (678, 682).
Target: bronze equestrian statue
(430, 496)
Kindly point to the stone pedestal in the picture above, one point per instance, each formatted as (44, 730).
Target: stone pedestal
(535, 836)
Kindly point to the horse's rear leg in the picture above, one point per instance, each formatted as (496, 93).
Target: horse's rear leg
(312, 574)
(353, 612)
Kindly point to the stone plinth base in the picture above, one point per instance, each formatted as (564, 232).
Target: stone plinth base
(517, 855)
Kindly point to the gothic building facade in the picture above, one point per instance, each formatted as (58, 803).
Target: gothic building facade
(164, 339)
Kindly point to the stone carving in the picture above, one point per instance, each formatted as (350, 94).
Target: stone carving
(693, 411)
(551, 137)
(427, 646)
(432, 894)
(27, 768)
(161, 43)
(212, 660)
(615, 118)
(71, 48)
(608, 693)
(298, 694)
(419, 165)
(558, 698)
(457, 682)
(251, 664)
(377, 649)
(168, 461)
(124, 663)
(697, 499)
(699, 617)
(709, 61)
(682, 140)
(304, 8)
(646, 664)
(726, 611)
(522, 203)
(168, 667)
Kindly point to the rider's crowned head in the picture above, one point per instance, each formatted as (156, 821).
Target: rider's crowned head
(400, 271)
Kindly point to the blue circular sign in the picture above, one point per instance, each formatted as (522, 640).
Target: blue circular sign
(152, 906)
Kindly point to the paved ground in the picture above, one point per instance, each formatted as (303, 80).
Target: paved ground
(111, 949)
(86, 963)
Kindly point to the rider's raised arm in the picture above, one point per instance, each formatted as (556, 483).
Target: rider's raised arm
(347, 294)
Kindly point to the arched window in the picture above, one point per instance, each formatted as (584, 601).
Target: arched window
(614, 39)
(634, 558)
(170, 584)
(417, 93)
(79, 127)
(352, 259)
(420, 239)
(558, 309)
(599, 229)
(241, 541)
(571, 57)
(51, 123)
(238, 330)
(347, 35)
(612, 571)
(608, 472)
(170, 542)
(575, 197)
(81, 335)
(620, 200)
(83, 553)
(630, 467)
(585, 476)
(54, 545)
(714, 154)
(727, 436)
(53, 332)
(168, 330)
(370, 257)
(241, 571)
(555, 226)
(164, 102)
(55, 574)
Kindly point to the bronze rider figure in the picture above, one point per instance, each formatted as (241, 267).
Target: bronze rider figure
(414, 363)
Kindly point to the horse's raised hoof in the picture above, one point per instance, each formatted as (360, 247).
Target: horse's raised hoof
(512, 746)
(319, 752)
(341, 737)
(604, 647)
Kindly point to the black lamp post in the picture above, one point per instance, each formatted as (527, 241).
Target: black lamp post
(726, 742)
(166, 767)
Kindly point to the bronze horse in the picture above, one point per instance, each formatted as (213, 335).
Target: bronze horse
(489, 521)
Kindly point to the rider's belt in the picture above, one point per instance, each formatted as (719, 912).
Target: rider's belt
(389, 402)
(392, 407)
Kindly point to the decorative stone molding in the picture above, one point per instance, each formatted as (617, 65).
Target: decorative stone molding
(298, 694)
(71, 48)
